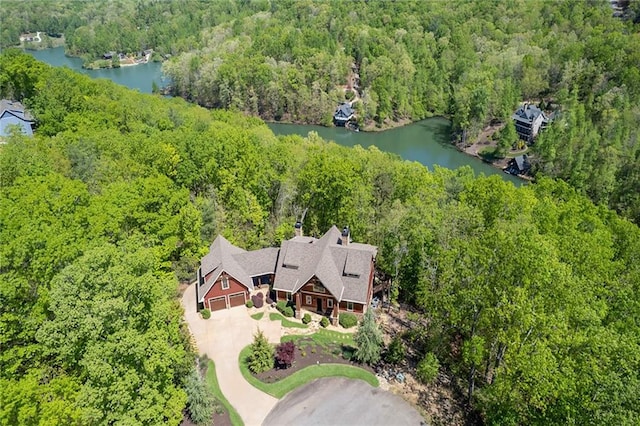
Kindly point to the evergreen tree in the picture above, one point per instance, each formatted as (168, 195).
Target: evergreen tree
(368, 338)
(200, 401)
(261, 358)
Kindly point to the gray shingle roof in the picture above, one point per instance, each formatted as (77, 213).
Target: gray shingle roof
(343, 270)
(258, 262)
(527, 113)
(15, 108)
(221, 258)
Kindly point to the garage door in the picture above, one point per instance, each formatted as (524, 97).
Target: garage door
(218, 303)
(236, 299)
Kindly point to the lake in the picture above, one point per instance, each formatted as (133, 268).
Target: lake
(139, 77)
(426, 141)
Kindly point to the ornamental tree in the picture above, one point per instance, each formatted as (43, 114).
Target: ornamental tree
(285, 354)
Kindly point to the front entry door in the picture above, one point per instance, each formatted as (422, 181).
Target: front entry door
(319, 304)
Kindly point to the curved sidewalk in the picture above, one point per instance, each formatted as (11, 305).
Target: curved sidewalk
(221, 338)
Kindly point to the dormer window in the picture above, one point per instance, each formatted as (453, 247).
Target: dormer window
(225, 283)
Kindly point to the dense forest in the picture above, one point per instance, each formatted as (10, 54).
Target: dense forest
(470, 61)
(529, 297)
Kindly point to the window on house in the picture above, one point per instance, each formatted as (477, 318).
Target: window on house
(225, 283)
(318, 288)
(289, 296)
(349, 306)
(309, 300)
(330, 303)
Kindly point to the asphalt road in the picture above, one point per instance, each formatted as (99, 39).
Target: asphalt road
(339, 401)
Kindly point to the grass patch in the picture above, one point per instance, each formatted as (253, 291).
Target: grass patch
(299, 378)
(257, 316)
(514, 154)
(274, 316)
(212, 383)
(324, 338)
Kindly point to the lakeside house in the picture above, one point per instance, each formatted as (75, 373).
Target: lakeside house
(13, 114)
(343, 114)
(519, 165)
(529, 120)
(328, 275)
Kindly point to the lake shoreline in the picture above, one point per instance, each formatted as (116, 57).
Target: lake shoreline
(428, 142)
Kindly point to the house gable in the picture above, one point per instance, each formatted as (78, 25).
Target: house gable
(14, 114)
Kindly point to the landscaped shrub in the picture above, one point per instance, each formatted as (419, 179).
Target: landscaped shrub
(428, 368)
(249, 303)
(348, 352)
(285, 310)
(206, 314)
(324, 322)
(285, 354)
(396, 351)
(347, 320)
(261, 357)
(306, 319)
(258, 300)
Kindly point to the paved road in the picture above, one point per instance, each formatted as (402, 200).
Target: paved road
(221, 338)
(339, 401)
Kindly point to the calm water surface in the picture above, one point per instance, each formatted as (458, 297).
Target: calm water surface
(426, 141)
(139, 77)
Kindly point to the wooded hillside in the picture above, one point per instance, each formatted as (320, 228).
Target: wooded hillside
(471, 61)
(528, 296)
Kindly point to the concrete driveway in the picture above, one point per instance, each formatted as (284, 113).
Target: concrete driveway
(339, 401)
(221, 338)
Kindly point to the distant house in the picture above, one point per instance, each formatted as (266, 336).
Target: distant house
(519, 165)
(343, 114)
(109, 55)
(328, 275)
(13, 114)
(529, 119)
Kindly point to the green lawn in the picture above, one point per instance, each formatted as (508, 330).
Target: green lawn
(257, 316)
(286, 385)
(275, 316)
(324, 338)
(212, 383)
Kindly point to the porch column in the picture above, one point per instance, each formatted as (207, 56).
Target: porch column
(334, 312)
(298, 305)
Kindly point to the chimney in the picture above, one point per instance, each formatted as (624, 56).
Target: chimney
(344, 240)
(298, 229)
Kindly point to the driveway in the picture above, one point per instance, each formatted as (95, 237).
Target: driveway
(339, 401)
(221, 338)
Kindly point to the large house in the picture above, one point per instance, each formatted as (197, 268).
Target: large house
(327, 275)
(529, 119)
(14, 114)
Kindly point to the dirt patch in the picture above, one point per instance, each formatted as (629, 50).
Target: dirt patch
(440, 402)
(309, 353)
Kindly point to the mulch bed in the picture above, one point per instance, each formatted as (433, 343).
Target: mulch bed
(218, 419)
(309, 353)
